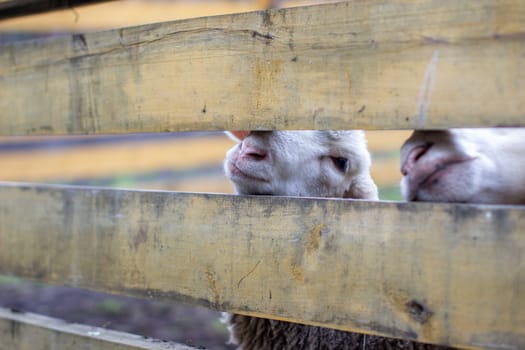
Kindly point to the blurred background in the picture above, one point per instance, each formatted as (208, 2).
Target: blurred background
(166, 161)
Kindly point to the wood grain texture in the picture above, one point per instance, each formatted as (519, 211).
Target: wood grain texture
(26, 331)
(356, 64)
(441, 273)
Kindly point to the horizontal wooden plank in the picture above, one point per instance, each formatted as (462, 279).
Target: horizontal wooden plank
(63, 159)
(132, 13)
(378, 140)
(111, 159)
(441, 273)
(386, 140)
(14, 8)
(357, 64)
(385, 172)
(26, 331)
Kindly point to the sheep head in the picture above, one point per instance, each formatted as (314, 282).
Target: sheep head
(465, 165)
(301, 163)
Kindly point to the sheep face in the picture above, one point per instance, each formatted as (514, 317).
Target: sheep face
(301, 163)
(465, 165)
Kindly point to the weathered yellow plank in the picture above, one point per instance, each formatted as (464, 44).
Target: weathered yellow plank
(137, 12)
(150, 155)
(14, 8)
(385, 172)
(386, 140)
(111, 159)
(357, 64)
(26, 331)
(451, 274)
(131, 13)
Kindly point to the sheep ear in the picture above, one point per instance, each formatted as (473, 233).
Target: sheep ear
(363, 187)
(238, 135)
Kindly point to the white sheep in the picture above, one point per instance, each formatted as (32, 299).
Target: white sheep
(302, 163)
(465, 165)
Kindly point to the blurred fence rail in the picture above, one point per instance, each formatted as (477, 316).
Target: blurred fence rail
(98, 15)
(14, 8)
(31, 331)
(182, 162)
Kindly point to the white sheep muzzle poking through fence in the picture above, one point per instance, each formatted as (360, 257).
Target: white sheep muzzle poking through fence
(301, 163)
(465, 165)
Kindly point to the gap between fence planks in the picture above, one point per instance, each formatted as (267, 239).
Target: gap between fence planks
(441, 273)
(27, 331)
(140, 156)
(357, 64)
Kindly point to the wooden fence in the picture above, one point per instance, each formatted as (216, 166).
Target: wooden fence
(432, 272)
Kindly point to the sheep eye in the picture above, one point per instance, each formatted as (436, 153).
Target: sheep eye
(341, 163)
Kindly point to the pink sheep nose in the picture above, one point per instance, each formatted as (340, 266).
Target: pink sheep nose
(251, 152)
(412, 158)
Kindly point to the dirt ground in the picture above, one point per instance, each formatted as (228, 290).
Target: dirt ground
(185, 324)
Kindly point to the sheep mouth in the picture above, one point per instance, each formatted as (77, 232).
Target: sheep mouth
(432, 174)
(238, 173)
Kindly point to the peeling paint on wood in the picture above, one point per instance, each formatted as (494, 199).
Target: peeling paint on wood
(355, 64)
(439, 273)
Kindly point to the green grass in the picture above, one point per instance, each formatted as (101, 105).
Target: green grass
(6, 281)
(111, 306)
(390, 193)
